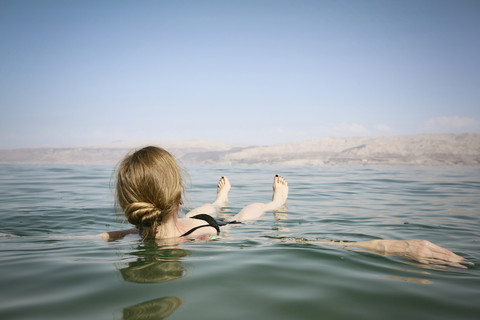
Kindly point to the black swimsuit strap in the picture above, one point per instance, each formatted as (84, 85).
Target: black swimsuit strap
(207, 218)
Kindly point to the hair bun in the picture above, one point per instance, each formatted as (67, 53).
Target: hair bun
(142, 213)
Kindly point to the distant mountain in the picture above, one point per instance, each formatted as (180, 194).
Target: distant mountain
(424, 150)
(427, 150)
(200, 144)
(110, 153)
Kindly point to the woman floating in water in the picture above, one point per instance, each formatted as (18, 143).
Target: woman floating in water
(149, 190)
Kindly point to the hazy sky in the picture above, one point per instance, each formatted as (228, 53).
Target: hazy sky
(250, 72)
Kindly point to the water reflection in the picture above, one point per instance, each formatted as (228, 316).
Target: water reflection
(154, 262)
(421, 281)
(280, 227)
(154, 309)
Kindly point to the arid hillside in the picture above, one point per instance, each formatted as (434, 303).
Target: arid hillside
(424, 150)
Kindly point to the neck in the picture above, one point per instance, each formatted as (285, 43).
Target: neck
(169, 227)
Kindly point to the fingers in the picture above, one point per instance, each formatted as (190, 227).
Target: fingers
(445, 254)
(430, 253)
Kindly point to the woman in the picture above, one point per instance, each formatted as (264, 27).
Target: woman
(149, 190)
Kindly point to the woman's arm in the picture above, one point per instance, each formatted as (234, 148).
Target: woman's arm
(114, 235)
(419, 250)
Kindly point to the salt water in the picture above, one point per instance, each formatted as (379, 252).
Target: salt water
(269, 269)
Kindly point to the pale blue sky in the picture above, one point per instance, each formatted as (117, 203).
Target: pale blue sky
(250, 72)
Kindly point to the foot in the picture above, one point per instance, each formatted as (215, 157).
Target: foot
(223, 188)
(280, 193)
(280, 190)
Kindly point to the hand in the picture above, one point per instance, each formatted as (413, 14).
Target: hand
(429, 253)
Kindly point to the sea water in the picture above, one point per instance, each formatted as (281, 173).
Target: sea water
(268, 269)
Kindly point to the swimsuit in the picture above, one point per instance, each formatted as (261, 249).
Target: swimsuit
(211, 223)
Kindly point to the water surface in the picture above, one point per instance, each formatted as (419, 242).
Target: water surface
(257, 270)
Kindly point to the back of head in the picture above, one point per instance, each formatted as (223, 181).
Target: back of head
(149, 188)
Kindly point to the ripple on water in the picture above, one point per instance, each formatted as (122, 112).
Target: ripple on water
(255, 270)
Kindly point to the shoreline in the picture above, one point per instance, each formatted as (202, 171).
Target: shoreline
(406, 150)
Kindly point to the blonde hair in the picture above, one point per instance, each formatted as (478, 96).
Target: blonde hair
(149, 188)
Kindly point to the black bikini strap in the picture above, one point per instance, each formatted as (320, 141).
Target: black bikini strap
(207, 218)
(193, 229)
